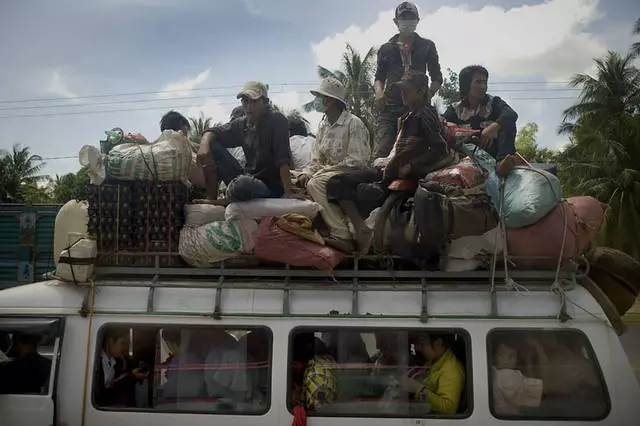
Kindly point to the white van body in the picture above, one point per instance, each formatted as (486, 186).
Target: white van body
(441, 301)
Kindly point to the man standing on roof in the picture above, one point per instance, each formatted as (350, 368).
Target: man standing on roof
(342, 144)
(404, 52)
(263, 135)
(481, 111)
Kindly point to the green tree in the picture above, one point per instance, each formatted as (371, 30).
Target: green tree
(356, 73)
(198, 126)
(601, 160)
(19, 168)
(71, 186)
(450, 90)
(527, 146)
(635, 47)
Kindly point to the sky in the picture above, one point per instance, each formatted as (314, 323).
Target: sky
(72, 69)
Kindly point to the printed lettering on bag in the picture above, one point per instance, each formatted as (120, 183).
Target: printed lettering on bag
(223, 236)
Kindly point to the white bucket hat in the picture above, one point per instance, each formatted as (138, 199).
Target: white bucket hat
(331, 88)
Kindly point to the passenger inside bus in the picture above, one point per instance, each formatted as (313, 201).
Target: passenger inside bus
(184, 371)
(27, 371)
(318, 381)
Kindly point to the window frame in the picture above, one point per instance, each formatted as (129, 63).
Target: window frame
(158, 327)
(468, 379)
(538, 330)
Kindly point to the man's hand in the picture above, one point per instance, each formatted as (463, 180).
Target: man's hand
(489, 134)
(203, 158)
(303, 180)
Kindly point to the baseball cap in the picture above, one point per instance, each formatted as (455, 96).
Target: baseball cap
(254, 90)
(407, 6)
(414, 79)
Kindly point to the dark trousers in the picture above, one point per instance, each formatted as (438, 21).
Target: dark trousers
(353, 185)
(386, 131)
(505, 144)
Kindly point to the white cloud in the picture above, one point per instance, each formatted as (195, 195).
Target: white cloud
(57, 86)
(211, 107)
(547, 39)
(289, 100)
(183, 87)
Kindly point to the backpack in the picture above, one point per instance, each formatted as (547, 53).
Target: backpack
(440, 218)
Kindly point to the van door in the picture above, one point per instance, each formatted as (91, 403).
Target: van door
(29, 359)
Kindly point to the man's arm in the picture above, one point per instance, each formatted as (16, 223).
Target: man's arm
(433, 65)
(281, 152)
(229, 135)
(506, 115)
(381, 73)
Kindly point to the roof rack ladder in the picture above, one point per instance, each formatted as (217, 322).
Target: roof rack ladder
(217, 310)
(152, 293)
(355, 299)
(286, 293)
(424, 309)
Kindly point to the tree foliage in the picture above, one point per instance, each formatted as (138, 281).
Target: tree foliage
(527, 146)
(450, 90)
(19, 173)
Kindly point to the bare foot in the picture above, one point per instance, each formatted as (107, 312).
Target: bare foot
(506, 165)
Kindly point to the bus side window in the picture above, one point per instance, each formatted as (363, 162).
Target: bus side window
(545, 374)
(365, 372)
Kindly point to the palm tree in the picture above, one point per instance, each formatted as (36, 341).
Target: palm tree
(635, 47)
(198, 126)
(356, 74)
(18, 168)
(602, 158)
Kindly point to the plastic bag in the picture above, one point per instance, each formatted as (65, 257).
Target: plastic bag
(301, 150)
(257, 209)
(204, 246)
(276, 245)
(529, 194)
(201, 214)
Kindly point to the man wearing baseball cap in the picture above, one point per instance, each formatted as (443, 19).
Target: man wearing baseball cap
(420, 146)
(263, 135)
(404, 52)
(342, 144)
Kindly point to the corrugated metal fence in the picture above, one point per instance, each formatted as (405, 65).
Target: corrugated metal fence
(26, 242)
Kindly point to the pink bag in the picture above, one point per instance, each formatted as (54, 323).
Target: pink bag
(276, 245)
(465, 174)
(584, 217)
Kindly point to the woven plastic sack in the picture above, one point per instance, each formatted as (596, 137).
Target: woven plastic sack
(201, 214)
(529, 193)
(301, 150)
(465, 174)
(167, 159)
(265, 207)
(582, 217)
(204, 246)
(275, 245)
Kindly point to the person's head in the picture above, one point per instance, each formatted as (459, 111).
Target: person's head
(255, 99)
(173, 120)
(505, 354)
(23, 344)
(473, 82)
(433, 345)
(297, 127)
(116, 342)
(330, 96)
(407, 17)
(415, 89)
(386, 342)
(237, 112)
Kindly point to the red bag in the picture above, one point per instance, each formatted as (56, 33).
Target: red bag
(584, 217)
(465, 174)
(276, 245)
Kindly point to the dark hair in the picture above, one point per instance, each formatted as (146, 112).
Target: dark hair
(297, 127)
(237, 112)
(466, 77)
(27, 339)
(175, 121)
(446, 338)
(115, 334)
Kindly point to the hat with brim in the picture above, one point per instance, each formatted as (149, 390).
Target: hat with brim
(331, 88)
(254, 90)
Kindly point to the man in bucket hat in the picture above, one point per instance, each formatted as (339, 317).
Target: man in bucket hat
(342, 143)
(263, 135)
(404, 52)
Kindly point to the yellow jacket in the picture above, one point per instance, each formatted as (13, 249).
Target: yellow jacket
(443, 385)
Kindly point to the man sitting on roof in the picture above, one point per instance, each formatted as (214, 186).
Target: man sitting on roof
(263, 135)
(342, 144)
(481, 111)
